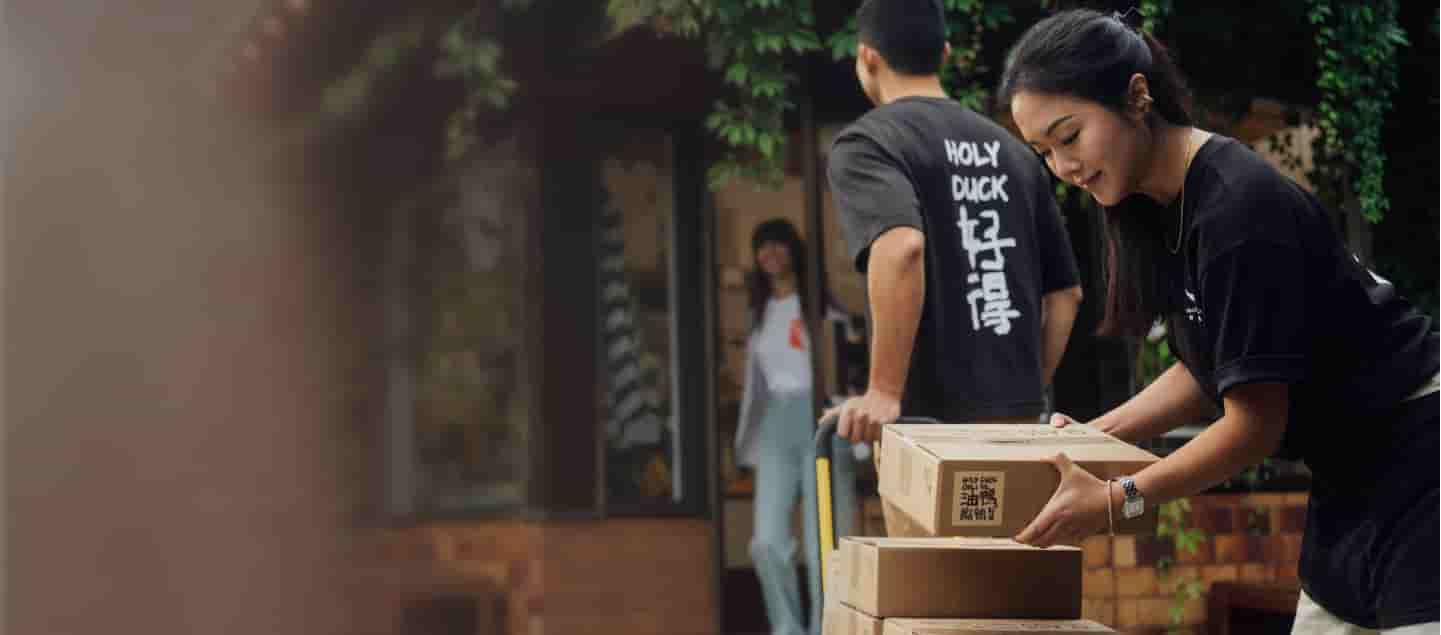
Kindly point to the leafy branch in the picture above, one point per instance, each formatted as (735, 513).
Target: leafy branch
(473, 56)
(1357, 77)
(968, 22)
(1172, 523)
(1153, 12)
(752, 43)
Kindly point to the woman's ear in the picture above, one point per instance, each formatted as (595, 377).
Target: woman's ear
(1138, 97)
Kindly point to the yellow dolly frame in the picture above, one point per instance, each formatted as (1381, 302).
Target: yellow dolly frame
(825, 509)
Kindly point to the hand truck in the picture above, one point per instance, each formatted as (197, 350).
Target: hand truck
(825, 509)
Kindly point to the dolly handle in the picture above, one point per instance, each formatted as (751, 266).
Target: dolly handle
(827, 429)
(825, 509)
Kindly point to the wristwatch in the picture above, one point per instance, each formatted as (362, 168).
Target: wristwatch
(1135, 504)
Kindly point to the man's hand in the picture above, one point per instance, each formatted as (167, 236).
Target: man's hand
(861, 418)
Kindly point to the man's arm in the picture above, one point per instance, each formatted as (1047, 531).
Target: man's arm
(1058, 315)
(880, 216)
(896, 283)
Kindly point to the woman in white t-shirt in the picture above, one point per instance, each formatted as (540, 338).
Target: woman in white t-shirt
(777, 424)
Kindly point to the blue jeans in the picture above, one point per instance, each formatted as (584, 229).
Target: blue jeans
(785, 469)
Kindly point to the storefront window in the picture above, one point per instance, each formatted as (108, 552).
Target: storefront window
(464, 397)
(638, 330)
(458, 407)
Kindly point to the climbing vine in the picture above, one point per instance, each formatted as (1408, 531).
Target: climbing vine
(470, 52)
(1356, 73)
(1153, 12)
(1173, 523)
(753, 44)
(474, 58)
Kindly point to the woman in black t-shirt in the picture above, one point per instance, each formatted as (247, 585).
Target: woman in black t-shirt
(1307, 353)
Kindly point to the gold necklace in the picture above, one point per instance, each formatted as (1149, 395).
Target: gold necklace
(1181, 213)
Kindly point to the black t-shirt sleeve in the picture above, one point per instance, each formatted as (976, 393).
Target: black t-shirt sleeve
(1253, 305)
(1058, 260)
(871, 192)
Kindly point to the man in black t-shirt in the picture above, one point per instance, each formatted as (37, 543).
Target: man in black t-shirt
(972, 283)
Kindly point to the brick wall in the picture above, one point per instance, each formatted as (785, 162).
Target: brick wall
(635, 576)
(1250, 538)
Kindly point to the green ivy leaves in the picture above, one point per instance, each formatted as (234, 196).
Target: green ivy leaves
(1357, 77)
(1153, 12)
(474, 58)
(1172, 523)
(753, 43)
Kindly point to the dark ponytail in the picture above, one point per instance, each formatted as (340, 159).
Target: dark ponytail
(1088, 55)
(1173, 98)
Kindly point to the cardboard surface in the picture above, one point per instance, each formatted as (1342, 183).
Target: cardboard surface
(903, 626)
(961, 577)
(899, 524)
(835, 589)
(845, 620)
(992, 480)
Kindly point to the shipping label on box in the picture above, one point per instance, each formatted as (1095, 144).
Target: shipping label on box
(993, 479)
(846, 620)
(961, 577)
(904, 626)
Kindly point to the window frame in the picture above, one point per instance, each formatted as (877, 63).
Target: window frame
(690, 320)
(551, 484)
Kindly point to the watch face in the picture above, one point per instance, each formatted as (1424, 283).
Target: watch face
(1132, 508)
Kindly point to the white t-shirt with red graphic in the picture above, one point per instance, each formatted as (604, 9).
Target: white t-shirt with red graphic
(783, 347)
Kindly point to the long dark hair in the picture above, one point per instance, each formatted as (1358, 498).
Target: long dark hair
(758, 283)
(1088, 55)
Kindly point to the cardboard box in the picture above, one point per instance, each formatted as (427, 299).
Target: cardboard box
(902, 626)
(961, 577)
(899, 525)
(834, 589)
(846, 620)
(993, 479)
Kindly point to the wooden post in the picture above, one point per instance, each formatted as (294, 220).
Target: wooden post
(815, 231)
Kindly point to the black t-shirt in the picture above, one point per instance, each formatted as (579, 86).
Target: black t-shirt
(1271, 294)
(995, 243)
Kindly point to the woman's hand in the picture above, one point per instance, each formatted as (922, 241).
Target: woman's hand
(1059, 420)
(1075, 512)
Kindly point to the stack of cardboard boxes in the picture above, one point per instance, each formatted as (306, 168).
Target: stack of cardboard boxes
(959, 493)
